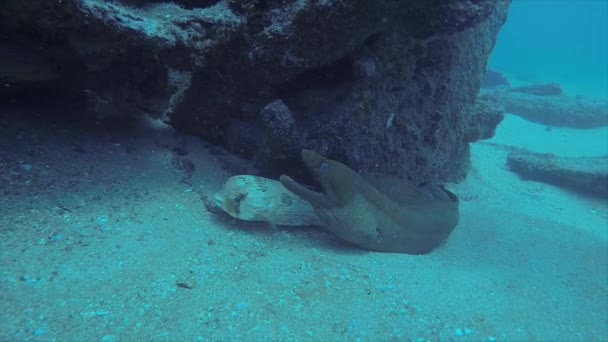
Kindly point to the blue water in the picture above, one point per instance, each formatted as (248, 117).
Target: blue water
(564, 41)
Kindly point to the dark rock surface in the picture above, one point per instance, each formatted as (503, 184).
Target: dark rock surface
(483, 118)
(381, 85)
(560, 111)
(583, 174)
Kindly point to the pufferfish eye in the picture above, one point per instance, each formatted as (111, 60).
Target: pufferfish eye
(238, 198)
(236, 202)
(324, 166)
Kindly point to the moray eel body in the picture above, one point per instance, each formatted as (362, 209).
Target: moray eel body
(377, 212)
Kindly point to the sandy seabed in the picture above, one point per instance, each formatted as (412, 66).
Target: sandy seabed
(104, 237)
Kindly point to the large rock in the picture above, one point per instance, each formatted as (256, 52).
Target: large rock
(381, 85)
(583, 174)
(483, 118)
(559, 110)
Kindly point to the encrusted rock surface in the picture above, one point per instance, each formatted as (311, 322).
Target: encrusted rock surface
(558, 110)
(583, 174)
(483, 118)
(383, 85)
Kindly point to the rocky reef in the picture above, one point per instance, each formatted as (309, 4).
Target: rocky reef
(387, 85)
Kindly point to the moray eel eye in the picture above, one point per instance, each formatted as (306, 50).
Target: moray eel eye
(324, 167)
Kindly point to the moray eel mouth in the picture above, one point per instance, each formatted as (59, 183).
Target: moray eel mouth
(335, 180)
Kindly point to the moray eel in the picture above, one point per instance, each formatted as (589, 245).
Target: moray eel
(254, 198)
(377, 212)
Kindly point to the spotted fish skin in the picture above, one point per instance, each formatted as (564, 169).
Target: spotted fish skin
(254, 198)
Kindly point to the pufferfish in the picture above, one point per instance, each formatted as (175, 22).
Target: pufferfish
(254, 198)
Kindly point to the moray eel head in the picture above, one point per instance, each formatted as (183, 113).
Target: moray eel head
(334, 177)
(316, 164)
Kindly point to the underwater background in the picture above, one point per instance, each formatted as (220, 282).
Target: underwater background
(556, 41)
(109, 230)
